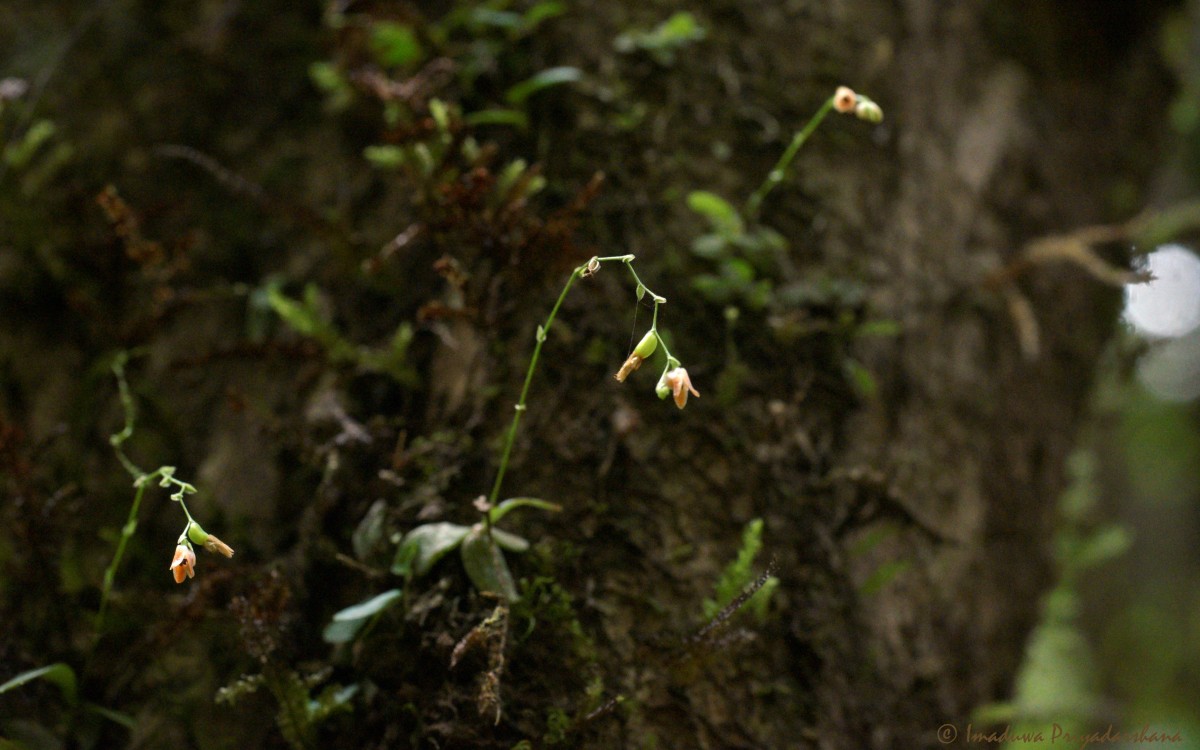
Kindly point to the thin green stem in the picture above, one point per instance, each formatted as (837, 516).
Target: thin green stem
(776, 175)
(141, 480)
(118, 440)
(533, 360)
(111, 573)
(543, 331)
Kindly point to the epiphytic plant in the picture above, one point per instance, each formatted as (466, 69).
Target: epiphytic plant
(184, 561)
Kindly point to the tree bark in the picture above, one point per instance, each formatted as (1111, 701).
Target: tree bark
(907, 482)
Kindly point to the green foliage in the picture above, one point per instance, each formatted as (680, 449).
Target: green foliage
(739, 574)
(502, 509)
(882, 576)
(1057, 681)
(662, 42)
(35, 152)
(300, 712)
(395, 45)
(485, 564)
(425, 545)
(331, 82)
(479, 546)
(479, 549)
(743, 257)
(558, 724)
(347, 623)
(59, 674)
(308, 317)
(543, 80)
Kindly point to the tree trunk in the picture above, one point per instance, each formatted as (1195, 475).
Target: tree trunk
(907, 481)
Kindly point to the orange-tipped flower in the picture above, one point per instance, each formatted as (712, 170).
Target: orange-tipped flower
(184, 564)
(680, 384)
(844, 99)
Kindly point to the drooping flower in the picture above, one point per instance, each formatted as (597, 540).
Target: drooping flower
(680, 384)
(184, 563)
(844, 99)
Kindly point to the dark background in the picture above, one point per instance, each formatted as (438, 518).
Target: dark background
(974, 510)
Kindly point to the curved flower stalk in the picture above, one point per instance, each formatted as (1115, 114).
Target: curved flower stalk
(650, 343)
(183, 563)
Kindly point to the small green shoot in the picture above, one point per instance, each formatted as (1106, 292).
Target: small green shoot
(739, 574)
(664, 41)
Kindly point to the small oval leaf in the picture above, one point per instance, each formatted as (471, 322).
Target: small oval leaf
(425, 545)
(372, 606)
(510, 542)
(485, 565)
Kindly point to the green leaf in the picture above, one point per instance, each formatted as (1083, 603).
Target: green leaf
(541, 12)
(711, 246)
(116, 717)
(303, 317)
(719, 212)
(425, 545)
(883, 575)
(395, 44)
(384, 157)
(347, 623)
(681, 27)
(512, 117)
(543, 80)
(511, 504)
(881, 327)
(1107, 543)
(862, 379)
(372, 606)
(59, 673)
(510, 542)
(500, 19)
(485, 564)
(342, 631)
(369, 534)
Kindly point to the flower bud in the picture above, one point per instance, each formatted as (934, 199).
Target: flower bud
(647, 345)
(197, 534)
(663, 389)
(868, 110)
(644, 349)
(844, 99)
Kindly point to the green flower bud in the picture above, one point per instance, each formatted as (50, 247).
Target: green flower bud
(647, 345)
(197, 534)
(663, 389)
(868, 110)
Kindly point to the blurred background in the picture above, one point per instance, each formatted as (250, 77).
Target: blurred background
(1119, 636)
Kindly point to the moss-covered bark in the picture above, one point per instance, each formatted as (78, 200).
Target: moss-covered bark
(875, 400)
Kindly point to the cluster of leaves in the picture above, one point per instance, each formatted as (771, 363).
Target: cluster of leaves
(471, 44)
(480, 545)
(30, 146)
(665, 40)
(309, 317)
